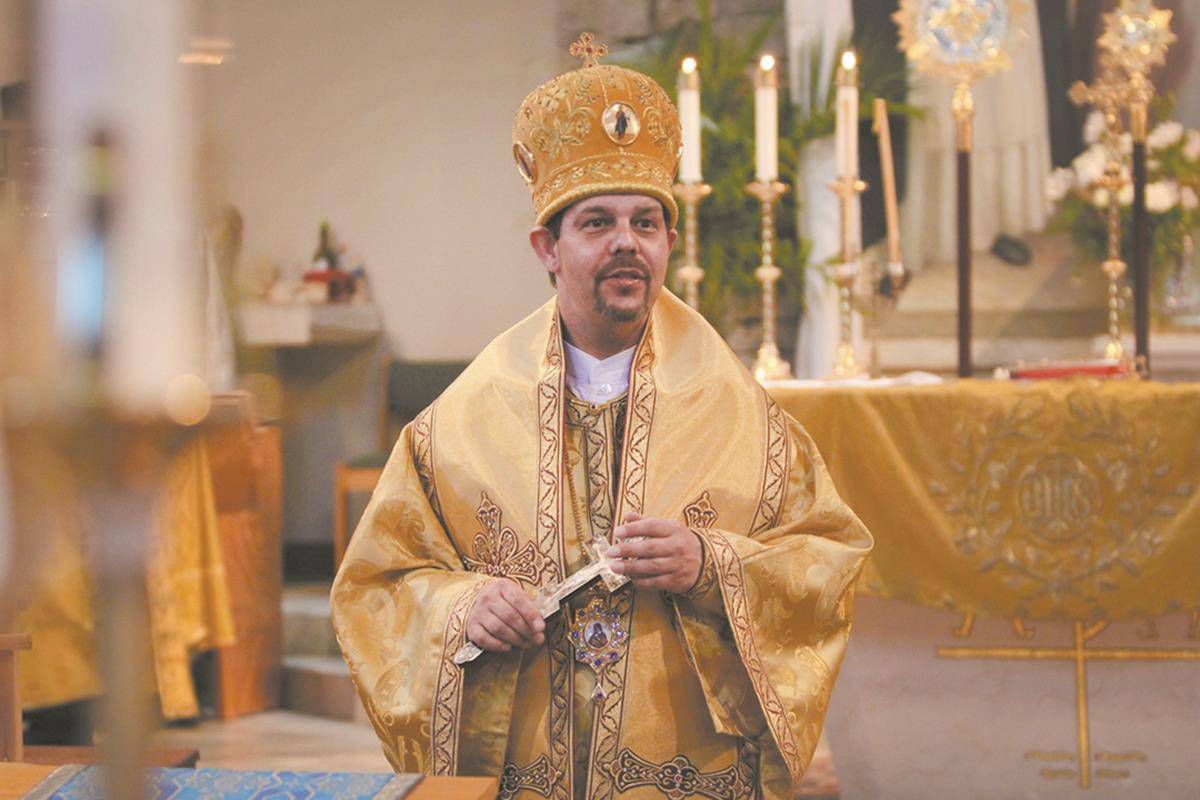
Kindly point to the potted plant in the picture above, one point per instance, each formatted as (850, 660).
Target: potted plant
(1172, 188)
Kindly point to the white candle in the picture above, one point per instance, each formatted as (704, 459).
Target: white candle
(689, 121)
(846, 133)
(766, 120)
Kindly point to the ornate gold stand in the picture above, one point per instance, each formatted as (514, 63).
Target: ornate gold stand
(690, 194)
(1113, 266)
(768, 366)
(845, 362)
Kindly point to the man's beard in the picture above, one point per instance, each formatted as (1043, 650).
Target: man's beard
(618, 263)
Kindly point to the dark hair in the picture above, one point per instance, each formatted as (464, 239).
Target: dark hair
(554, 224)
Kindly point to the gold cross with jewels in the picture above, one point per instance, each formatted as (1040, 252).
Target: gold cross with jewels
(588, 49)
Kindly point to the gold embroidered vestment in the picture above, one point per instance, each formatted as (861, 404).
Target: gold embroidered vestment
(718, 693)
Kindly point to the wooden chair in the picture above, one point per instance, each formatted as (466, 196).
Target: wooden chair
(408, 387)
(11, 730)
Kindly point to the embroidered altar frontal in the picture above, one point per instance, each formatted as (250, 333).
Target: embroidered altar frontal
(1053, 500)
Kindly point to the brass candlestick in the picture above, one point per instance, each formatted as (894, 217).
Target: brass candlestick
(845, 362)
(690, 194)
(1113, 266)
(768, 366)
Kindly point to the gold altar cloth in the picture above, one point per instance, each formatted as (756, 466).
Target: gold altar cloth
(185, 580)
(1068, 499)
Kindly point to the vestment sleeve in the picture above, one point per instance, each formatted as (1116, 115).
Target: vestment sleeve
(768, 653)
(400, 604)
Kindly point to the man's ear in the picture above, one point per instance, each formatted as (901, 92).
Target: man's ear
(545, 246)
(672, 235)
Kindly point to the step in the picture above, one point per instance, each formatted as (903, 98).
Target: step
(307, 630)
(940, 355)
(321, 687)
(1007, 325)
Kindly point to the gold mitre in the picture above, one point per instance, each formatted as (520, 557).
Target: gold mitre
(600, 129)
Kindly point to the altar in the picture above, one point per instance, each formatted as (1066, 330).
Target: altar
(1030, 617)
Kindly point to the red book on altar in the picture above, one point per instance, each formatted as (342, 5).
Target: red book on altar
(1091, 368)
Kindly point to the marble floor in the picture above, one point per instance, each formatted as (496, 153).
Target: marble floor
(280, 740)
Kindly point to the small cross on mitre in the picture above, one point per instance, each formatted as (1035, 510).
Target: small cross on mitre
(588, 49)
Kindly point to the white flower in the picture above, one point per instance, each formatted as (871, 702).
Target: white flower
(1093, 127)
(1125, 194)
(1188, 199)
(1100, 198)
(1164, 134)
(1058, 183)
(1161, 196)
(1125, 143)
(1191, 146)
(1089, 165)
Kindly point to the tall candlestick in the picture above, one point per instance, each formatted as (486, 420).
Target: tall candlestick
(847, 115)
(766, 120)
(768, 365)
(690, 273)
(891, 212)
(689, 121)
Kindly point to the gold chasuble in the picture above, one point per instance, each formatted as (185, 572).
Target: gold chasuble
(718, 693)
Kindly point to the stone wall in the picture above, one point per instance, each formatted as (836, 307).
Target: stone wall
(627, 23)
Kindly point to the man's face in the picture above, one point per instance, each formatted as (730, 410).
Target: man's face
(610, 259)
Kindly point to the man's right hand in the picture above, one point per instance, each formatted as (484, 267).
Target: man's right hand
(504, 617)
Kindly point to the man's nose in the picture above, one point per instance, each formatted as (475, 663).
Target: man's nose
(623, 240)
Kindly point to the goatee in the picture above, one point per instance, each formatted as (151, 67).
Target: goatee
(622, 262)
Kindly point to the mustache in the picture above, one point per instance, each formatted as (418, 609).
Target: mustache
(624, 263)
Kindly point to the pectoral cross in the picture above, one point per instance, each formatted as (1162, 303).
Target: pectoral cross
(549, 598)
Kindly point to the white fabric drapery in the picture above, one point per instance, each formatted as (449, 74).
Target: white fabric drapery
(816, 32)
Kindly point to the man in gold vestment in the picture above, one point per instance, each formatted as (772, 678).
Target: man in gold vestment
(612, 423)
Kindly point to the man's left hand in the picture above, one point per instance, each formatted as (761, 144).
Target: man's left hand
(666, 555)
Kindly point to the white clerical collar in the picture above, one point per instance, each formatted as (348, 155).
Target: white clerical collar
(596, 380)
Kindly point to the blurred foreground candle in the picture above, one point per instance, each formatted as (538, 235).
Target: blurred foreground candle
(766, 120)
(689, 121)
(846, 135)
(128, 257)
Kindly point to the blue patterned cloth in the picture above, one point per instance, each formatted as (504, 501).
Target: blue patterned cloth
(87, 783)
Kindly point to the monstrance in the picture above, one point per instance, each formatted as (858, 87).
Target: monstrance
(962, 40)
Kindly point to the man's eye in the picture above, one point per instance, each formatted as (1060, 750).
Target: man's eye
(647, 224)
(593, 223)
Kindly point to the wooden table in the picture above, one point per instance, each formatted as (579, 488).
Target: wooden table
(55, 755)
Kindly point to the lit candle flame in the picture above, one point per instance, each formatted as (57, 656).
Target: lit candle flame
(849, 60)
(689, 65)
(767, 63)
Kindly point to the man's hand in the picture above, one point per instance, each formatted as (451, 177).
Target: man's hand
(504, 617)
(668, 558)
